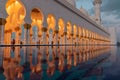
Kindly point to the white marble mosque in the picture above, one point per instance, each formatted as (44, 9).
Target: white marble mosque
(53, 22)
(54, 34)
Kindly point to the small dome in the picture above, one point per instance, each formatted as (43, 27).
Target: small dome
(72, 2)
(84, 11)
(92, 17)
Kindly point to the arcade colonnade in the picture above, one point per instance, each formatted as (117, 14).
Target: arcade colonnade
(57, 31)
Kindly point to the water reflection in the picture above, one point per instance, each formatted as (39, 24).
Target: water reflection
(46, 62)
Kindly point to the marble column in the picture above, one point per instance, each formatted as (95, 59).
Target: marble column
(27, 27)
(31, 39)
(7, 37)
(44, 30)
(65, 34)
(2, 25)
(31, 35)
(17, 37)
(56, 37)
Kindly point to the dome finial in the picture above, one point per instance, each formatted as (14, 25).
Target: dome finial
(97, 1)
(72, 2)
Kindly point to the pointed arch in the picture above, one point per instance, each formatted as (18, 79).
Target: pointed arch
(37, 17)
(51, 21)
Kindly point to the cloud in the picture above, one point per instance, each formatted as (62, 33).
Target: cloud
(110, 12)
(111, 7)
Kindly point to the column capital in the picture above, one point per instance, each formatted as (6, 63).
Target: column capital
(2, 21)
(44, 29)
(56, 31)
(27, 26)
(8, 31)
(17, 28)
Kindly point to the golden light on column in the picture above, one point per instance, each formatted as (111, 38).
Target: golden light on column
(83, 35)
(87, 39)
(51, 21)
(61, 27)
(79, 33)
(90, 40)
(69, 26)
(74, 33)
(80, 38)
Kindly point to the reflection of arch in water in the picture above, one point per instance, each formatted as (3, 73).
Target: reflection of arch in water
(16, 14)
(37, 21)
(51, 21)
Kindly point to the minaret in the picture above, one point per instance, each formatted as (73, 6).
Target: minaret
(97, 5)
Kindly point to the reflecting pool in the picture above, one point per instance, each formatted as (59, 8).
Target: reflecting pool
(59, 63)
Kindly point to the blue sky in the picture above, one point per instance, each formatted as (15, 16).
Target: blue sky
(87, 4)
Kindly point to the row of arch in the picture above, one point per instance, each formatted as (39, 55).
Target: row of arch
(56, 31)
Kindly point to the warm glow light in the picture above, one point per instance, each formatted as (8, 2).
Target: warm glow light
(68, 28)
(51, 21)
(37, 17)
(16, 13)
(61, 25)
(75, 30)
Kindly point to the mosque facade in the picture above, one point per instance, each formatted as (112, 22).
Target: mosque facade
(50, 22)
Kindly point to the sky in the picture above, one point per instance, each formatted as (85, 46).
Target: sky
(110, 12)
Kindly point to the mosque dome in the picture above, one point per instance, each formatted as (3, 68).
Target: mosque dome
(84, 11)
(72, 2)
(92, 17)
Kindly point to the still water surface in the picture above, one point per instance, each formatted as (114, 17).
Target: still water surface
(59, 63)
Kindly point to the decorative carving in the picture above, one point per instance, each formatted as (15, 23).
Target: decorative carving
(44, 29)
(56, 31)
(65, 33)
(8, 31)
(47, 35)
(77, 35)
(72, 34)
(31, 34)
(19, 34)
(2, 21)
(39, 35)
(17, 28)
(27, 26)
